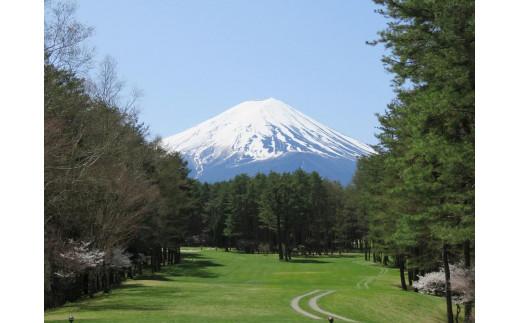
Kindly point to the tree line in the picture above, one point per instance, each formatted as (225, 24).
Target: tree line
(418, 192)
(289, 213)
(113, 200)
(106, 189)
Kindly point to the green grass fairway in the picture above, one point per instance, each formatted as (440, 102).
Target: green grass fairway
(217, 286)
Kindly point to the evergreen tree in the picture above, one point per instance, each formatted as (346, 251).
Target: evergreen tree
(271, 208)
(98, 190)
(174, 210)
(428, 130)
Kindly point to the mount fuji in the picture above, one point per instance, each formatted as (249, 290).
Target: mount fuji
(263, 136)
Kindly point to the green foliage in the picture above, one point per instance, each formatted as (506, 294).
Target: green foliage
(171, 174)
(105, 184)
(281, 210)
(418, 192)
(96, 188)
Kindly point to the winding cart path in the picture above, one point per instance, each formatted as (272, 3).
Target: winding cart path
(313, 303)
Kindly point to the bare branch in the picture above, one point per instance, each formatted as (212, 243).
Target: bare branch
(64, 38)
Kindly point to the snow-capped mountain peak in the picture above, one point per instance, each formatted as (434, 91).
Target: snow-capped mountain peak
(259, 130)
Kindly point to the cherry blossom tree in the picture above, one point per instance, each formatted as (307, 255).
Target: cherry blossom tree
(119, 258)
(462, 285)
(77, 258)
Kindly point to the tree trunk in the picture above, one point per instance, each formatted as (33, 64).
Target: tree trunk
(177, 255)
(287, 246)
(158, 253)
(415, 273)
(156, 259)
(91, 283)
(164, 256)
(106, 279)
(85, 279)
(47, 280)
(401, 261)
(152, 260)
(449, 308)
(468, 307)
(172, 255)
(279, 237)
(467, 254)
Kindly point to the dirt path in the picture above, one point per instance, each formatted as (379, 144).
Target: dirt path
(365, 281)
(314, 305)
(296, 307)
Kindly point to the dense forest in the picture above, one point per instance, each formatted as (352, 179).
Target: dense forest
(112, 197)
(116, 201)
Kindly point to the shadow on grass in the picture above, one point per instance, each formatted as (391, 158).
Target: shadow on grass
(345, 255)
(193, 265)
(118, 307)
(132, 285)
(309, 261)
(156, 276)
(102, 302)
(315, 259)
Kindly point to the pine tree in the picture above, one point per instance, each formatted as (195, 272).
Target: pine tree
(428, 130)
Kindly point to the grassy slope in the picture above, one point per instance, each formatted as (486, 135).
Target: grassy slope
(214, 286)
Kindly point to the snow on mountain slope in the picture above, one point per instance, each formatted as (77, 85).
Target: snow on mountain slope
(255, 131)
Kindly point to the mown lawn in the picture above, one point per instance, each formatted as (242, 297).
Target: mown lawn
(218, 286)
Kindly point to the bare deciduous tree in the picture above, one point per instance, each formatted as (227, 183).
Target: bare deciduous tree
(109, 88)
(64, 38)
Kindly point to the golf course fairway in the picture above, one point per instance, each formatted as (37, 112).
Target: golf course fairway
(215, 286)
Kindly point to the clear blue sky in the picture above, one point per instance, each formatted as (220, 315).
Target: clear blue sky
(196, 58)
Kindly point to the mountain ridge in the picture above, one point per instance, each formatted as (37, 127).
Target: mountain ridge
(261, 131)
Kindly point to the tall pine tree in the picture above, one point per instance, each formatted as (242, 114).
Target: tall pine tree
(429, 129)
